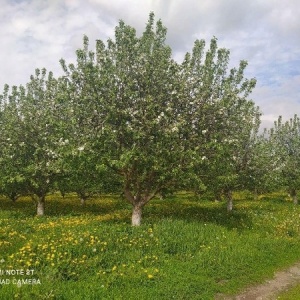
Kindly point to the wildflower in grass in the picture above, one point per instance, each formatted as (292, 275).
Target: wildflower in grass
(150, 276)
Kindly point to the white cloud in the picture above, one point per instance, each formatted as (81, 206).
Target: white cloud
(38, 33)
(274, 101)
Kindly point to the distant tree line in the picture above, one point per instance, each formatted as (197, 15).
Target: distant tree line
(127, 118)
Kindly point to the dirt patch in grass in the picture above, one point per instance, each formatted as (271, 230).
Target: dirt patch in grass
(282, 281)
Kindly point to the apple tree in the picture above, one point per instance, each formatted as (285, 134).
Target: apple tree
(148, 119)
(285, 139)
(12, 181)
(33, 135)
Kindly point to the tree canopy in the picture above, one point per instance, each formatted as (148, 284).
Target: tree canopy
(126, 117)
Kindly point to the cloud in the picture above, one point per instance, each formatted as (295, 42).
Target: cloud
(282, 100)
(38, 33)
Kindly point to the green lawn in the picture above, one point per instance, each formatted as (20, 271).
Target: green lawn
(185, 249)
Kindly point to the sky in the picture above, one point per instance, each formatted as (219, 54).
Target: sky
(38, 33)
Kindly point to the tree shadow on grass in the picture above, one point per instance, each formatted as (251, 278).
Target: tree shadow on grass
(56, 205)
(202, 213)
(177, 208)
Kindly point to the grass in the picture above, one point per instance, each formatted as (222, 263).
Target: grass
(185, 249)
(291, 294)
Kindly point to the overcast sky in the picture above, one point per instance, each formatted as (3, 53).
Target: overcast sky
(266, 33)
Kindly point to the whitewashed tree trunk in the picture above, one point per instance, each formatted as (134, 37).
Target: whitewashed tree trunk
(295, 198)
(229, 205)
(136, 215)
(255, 196)
(82, 196)
(41, 206)
(138, 202)
(229, 201)
(82, 200)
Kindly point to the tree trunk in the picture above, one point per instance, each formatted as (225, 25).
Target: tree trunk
(41, 206)
(138, 201)
(136, 215)
(255, 194)
(229, 201)
(82, 201)
(82, 196)
(295, 199)
(13, 196)
(294, 196)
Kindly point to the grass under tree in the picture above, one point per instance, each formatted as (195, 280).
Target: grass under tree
(185, 249)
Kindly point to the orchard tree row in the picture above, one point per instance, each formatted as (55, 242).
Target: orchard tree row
(126, 117)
